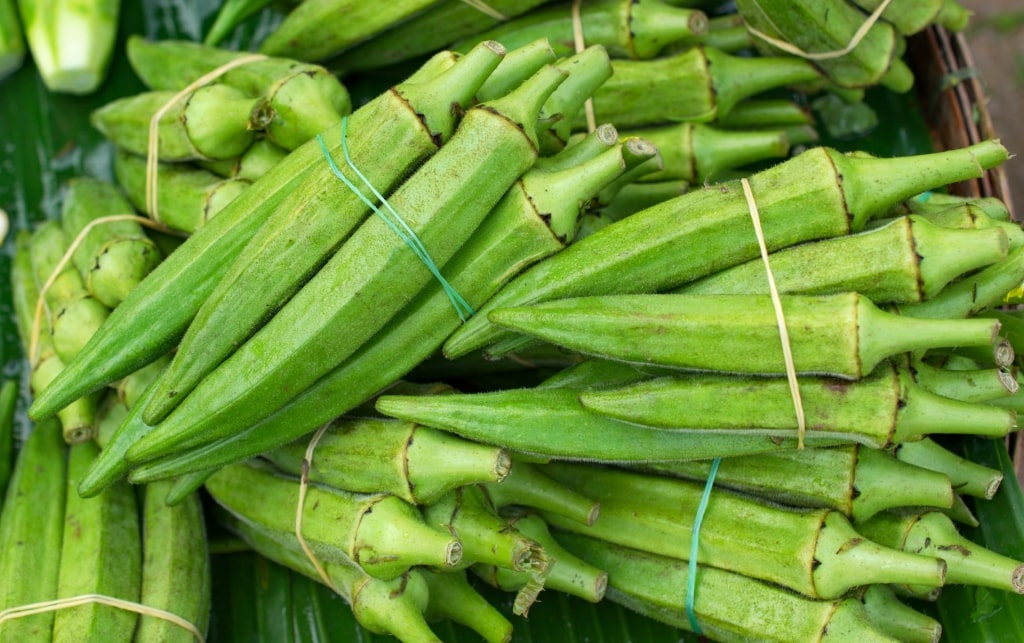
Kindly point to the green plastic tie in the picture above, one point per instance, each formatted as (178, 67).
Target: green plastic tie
(691, 576)
(394, 221)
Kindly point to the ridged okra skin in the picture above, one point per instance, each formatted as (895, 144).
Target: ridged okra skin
(829, 26)
(908, 260)
(656, 586)
(176, 573)
(311, 225)
(443, 203)
(165, 303)
(856, 480)
(101, 553)
(114, 256)
(705, 231)
(531, 222)
(842, 335)
(814, 552)
(383, 534)
(625, 28)
(415, 463)
(31, 529)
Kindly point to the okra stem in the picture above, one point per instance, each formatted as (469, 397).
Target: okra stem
(966, 477)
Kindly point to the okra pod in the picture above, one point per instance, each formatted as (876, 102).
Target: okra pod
(908, 260)
(113, 256)
(568, 573)
(212, 122)
(704, 231)
(12, 40)
(695, 152)
(153, 318)
(312, 226)
(372, 455)
(843, 335)
(766, 112)
(518, 64)
(701, 84)
(467, 515)
(635, 197)
(817, 553)
(553, 423)
(444, 201)
(892, 616)
(318, 30)
(176, 566)
(449, 595)
(656, 586)
(251, 165)
(856, 480)
(978, 385)
(31, 528)
(587, 70)
(101, 553)
(626, 29)
(71, 43)
(934, 534)
(383, 534)
(831, 26)
(908, 17)
(531, 222)
(967, 477)
(527, 486)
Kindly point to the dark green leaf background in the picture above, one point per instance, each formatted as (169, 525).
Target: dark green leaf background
(46, 139)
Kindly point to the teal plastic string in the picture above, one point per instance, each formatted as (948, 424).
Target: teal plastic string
(691, 575)
(923, 197)
(395, 221)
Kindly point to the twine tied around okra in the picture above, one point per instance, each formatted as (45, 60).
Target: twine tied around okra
(152, 156)
(794, 389)
(580, 45)
(31, 609)
(42, 306)
(790, 48)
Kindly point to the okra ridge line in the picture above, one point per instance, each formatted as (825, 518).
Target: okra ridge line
(407, 234)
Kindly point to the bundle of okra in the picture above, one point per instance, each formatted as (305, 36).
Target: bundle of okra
(312, 301)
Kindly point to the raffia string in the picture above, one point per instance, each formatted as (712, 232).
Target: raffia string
(86, 599)
(152, 156)
(787, 351)
(483, 7)
(307, 462)
(578, 42)
(5, 225)
(41, 306)
(858, 36)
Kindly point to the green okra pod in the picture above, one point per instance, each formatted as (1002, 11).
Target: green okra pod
(696, 152)
(766, 112)
(534, 220)
(8, 402)
(251, 165)
(978, 385)
(856, 480)
(626, 29)
(518, 64)
(114, 256)
(211, 122)
(908, 260)
(442, 203)
(157, 312)
(451, 596)
(12, 39)
(830, 26)
(966, 477)
(527, 486)
(383, 534)
(701, 84)
(568, 573)
(31, 528)
(552, 422)
(843, 335)
(187, 197)
(599, 373)
(101, 553)
(373, 455)
(934, 534)
(176, 574)
(727, 606)
(467, 514)
(587, 70)
(313, 225)
(393, 607)
(313, 31)
(704, 231)
(882, 408)
(814, 552)
(436, 27)
(908, 17)
(634, 197)
(935, 202)
(897, 619)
